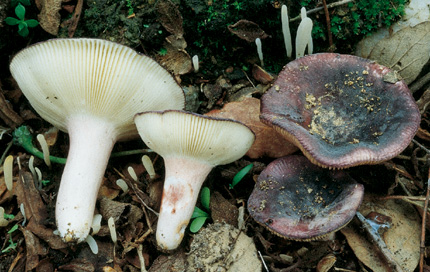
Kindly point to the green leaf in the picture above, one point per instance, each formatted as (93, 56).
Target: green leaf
(205, 197)
(8, 216)
(14, 228)
(197, 224)
(23, 29)
(199, 213)
(239, 176)
(32, 23)
(20, 11)
(11, 21)
(16, 2)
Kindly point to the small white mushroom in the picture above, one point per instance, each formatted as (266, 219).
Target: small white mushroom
(259, 51)
(147, 163)
(286, 30)
(97, 224)
(90, 88)
(132, 173)
(3, 221)
(31, 167)
(8, 172)
(45, 149)
(22, 209)
(92, 244)
(195, 60)
(303, 37)
(123, 185)
(191, 145)
(112, 229)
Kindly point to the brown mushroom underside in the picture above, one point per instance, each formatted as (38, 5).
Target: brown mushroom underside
(341, 110)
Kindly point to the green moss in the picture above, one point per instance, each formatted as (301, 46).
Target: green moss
(112, 20)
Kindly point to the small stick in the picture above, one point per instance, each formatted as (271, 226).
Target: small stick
(382, 246)
(332, 5)
(423, 226)
(327, 19)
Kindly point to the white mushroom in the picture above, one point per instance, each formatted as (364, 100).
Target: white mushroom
(286, 30)
(191, 145)
(90, 88)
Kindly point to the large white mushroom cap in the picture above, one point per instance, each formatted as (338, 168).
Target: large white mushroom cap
(191, 145)
(64, 77)
(92, 89)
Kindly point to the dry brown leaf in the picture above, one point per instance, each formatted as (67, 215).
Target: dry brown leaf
(403, 238)
(174, 262)
(406, 51)
(247, 30)
(267, 141)
(35, 210)
(176, 61)
(34, 249)
(170, 17)
(222, 210)
(49, 16)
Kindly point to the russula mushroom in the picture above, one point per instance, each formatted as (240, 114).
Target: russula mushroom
(191, 145)
(92, 89)
(340, 110)
(298, 200)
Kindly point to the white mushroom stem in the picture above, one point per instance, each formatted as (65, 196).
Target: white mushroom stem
(184, 178)
(91, 142)
(286, 30)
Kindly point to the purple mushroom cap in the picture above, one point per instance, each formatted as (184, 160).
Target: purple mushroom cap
(298, 200)
(341, 110)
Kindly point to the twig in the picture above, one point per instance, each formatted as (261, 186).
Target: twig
(141, 259)
(262, 260)
(420, 83)
(421, 146)
(382, 246)
(327, 19)
(332, 5)
(3, 156)
(75, 18)
(423, 226)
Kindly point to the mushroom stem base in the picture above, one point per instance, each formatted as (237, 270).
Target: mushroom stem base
(184, 178)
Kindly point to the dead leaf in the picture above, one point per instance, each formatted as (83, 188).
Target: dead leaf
(169, 263)
(49, 16)
(221, 247)
(170, 17)
(176, 61)
(405, 51)
(34, 250)
(267, 141)
(222, 210)
(35, 210)
(247, 30)
(78, 265)
(402, 239)
(7, 114)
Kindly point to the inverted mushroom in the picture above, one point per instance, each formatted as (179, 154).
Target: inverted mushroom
(91, 89)
(298, 200)
(191, 145)
(341, 110)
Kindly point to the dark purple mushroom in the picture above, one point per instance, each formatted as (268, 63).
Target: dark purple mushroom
(341, 110)
(298, 200)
